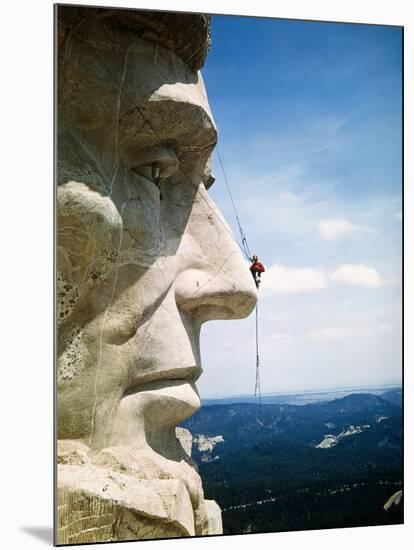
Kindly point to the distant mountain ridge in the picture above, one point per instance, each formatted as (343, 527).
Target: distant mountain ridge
(356, 402)
(289, 466)
(394, 395)
(307, 397)
(243, 424)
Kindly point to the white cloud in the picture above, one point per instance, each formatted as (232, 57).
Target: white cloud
(337, 228)
(226, 344)
(283, 337)
(284, 280)
(281, 279)
(385, 327)
(328, 334)
(279, 317)
(356, 275)
(335, 333)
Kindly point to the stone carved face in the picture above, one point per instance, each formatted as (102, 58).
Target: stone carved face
(144, 255)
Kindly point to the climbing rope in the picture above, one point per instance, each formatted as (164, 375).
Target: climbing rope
(257, 390)
(242, 235)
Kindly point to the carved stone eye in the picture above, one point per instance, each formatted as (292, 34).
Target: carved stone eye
(155, 174)
(155, 163)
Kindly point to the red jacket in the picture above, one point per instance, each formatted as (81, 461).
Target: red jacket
(257, 266)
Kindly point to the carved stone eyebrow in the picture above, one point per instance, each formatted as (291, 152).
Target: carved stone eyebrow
(184, 128)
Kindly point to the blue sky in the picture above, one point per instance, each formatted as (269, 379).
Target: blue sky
(309, 120)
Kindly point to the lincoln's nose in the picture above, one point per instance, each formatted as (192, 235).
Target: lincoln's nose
(225, 291)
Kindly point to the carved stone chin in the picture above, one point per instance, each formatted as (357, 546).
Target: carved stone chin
(144, 258)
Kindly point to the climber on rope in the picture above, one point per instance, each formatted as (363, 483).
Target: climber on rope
(257, 268)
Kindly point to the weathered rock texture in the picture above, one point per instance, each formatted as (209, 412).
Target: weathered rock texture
(144, 258)
(188, 36)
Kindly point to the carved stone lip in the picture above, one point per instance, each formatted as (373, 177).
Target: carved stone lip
(172, 377)
(165, 402)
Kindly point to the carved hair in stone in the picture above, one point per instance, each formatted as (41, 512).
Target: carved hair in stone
(144, 258)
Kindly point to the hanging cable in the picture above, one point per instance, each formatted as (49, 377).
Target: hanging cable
(242, 235)
(257, 390)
